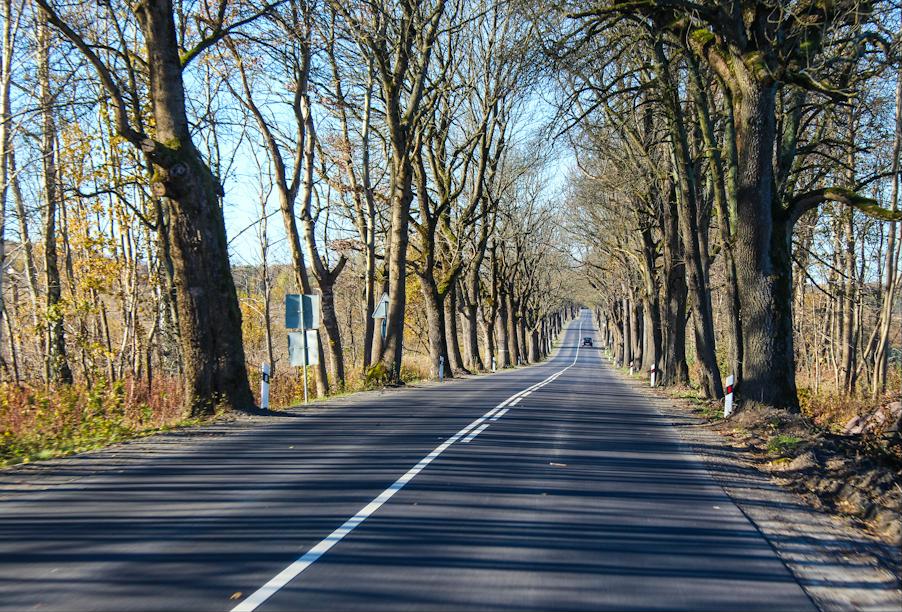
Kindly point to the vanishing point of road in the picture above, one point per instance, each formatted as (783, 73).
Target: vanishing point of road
(552, 487)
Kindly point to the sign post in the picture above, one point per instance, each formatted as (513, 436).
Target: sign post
(303, 351)
(303, 312)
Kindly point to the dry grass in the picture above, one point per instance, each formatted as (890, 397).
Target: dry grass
(38, 423)
(287, 384)
(832, 411)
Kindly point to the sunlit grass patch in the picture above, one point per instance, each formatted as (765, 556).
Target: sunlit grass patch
(40, 423)
(783, 444)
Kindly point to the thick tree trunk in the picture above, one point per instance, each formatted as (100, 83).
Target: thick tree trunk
(635, 331)
(675, 369)
(333, 334)
(453, 338)
(521, 336)
(209, 315)
(470, 295)
(471, 333)
(513, 336)
(535, 346)
(402, 197)
(652, 327)
(504, 354)
(627, 331)
(617, 333)
(762, 251)
(488, 334)
(435, 319)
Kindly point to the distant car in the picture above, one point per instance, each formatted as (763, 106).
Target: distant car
(587, 341)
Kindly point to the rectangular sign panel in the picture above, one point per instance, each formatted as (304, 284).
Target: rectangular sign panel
(295, 304)
(303, 348)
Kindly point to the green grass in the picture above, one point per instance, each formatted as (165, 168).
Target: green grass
(99, 433)
(783, 444)
(708, 410)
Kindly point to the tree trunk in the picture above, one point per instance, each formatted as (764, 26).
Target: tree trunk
(402, 196)
(513, 337)
(627, 331)
(675, 369)
(651, 355)
(850, 282)
(521, 335)
(635, 331)
(534, 346)
(471, 334)
(470, 295)
(687, 198)
(333, 334)
(435, 319)
(450, 304)
(6, 55)
(57, 364)
(762, 250)
(891, 260)
(504, 354)
(725, 205)
(209, 315)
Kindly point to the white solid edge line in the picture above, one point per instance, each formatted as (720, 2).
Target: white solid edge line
(258, 597)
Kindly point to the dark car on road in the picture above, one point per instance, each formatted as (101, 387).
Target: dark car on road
(587, 341)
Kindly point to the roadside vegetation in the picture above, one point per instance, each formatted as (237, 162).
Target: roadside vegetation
(161, 193)
(37, 423)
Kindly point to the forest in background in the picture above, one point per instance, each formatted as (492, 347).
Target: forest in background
(731, 206)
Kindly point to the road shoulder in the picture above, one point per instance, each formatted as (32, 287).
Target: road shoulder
(839, 565)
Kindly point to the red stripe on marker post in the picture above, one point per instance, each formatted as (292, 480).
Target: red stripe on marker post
(728, 397)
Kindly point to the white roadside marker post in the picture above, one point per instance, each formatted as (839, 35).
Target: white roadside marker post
(441, 369)
(653, 372)
(631, 367)
(728, 398)
(264, 387)
(493, 363)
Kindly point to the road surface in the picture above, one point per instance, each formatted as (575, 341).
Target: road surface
(470, 495)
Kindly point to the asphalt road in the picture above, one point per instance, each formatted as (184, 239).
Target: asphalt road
(578, 497)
